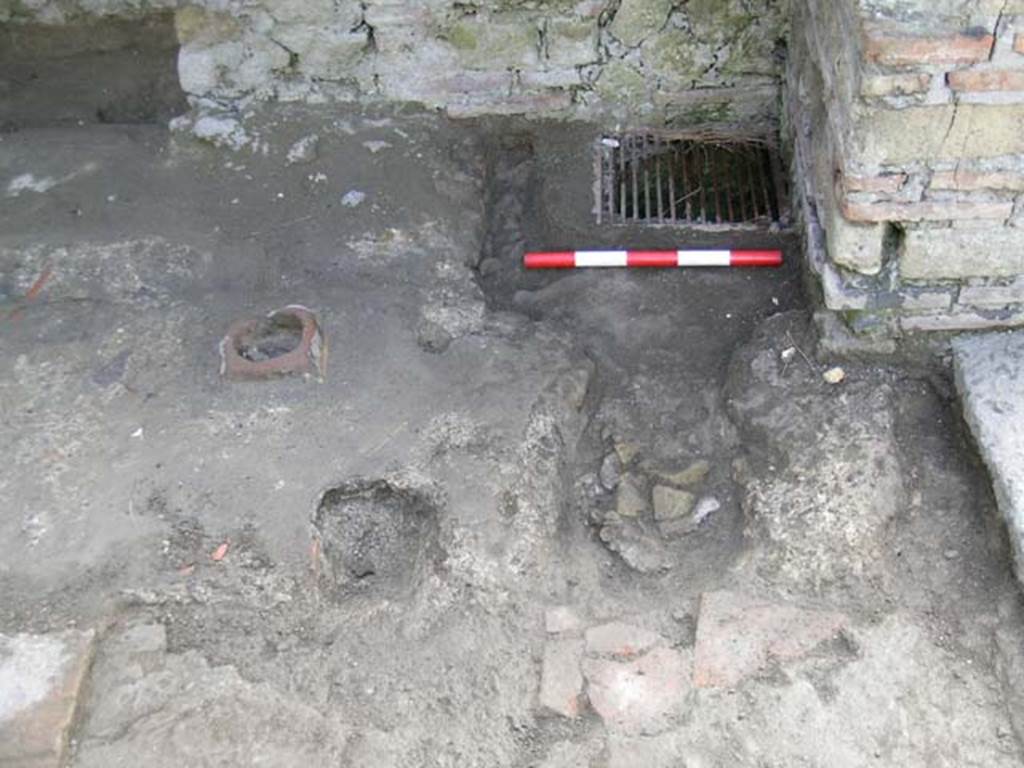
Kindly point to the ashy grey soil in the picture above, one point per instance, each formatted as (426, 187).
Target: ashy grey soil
(601, 518)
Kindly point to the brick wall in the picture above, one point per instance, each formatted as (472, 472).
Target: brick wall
(656, 61)
(908, 121)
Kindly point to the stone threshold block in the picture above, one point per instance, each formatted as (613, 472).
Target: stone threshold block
(41, 677)
(990, 380)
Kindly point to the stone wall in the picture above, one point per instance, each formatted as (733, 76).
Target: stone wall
(666, 61)
(908, 124)
(907, 116)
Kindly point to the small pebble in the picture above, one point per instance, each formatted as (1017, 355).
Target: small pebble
(352, 198)
(951, 554)
(834, 375)
(304, 150)
(611, 472)
(788, 354)
(705, 508)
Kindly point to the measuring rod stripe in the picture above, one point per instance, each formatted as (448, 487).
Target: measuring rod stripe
(602, 258)
(704, 258)
(688, 258)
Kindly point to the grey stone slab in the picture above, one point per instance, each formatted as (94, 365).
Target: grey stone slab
(990, 379)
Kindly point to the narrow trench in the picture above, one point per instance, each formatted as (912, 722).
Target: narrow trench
(509, 177)
(660, 342)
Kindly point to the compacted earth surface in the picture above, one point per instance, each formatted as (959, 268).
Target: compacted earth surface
(594, 518)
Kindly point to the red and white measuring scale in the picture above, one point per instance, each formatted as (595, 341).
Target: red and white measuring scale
(580, 259)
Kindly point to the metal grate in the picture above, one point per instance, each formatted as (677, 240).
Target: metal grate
(682, 180)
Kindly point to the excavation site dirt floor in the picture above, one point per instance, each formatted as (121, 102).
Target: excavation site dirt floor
(603, 518)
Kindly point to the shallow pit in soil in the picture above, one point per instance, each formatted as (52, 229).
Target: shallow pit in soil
(370, 534)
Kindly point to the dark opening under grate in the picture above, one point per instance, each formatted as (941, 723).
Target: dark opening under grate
(713, 183)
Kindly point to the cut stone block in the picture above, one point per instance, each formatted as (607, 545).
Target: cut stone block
(638, 19)
(163, 710)
(945, 132)
(571, 42)
(937, 254)
(41, 677)
(494, 44)
(993, 296)
(990, 379)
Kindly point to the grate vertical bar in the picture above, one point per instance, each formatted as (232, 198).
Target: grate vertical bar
(647, 176)
(737, 164)
(609, 182)
(701, 161)
(687, 194)
(750, 159)
(727, 185)
(621, 151)
(657, 177)
(712, 174)
(672, 180)
(769, 173)
(764, 183)
(780, 182)
(634, 157)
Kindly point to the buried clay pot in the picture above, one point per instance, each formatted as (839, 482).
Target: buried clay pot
(287, 341)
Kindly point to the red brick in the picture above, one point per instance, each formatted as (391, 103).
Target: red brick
(640, 696)
(561, 683)
(1018, 43)
(968, 181)
(925, 211)
(987, 80)
(883, 185)
(899, 51)
(738, 635)
(621, 640)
